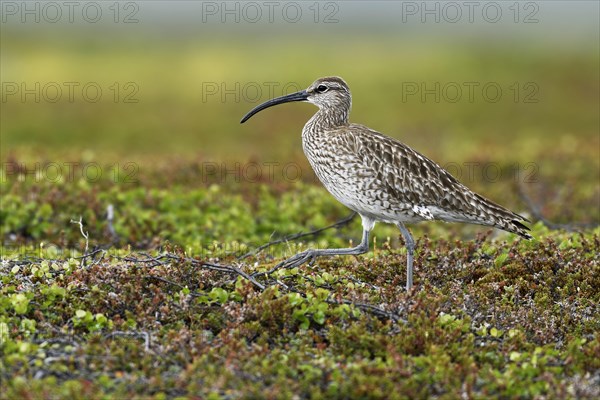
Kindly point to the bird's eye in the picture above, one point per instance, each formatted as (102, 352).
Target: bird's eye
(321, 89)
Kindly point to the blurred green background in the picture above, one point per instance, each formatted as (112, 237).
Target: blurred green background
(176, 77)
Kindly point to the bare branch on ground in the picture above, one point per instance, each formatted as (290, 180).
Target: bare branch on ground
(299, 235)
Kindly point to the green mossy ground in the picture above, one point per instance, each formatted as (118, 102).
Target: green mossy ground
(142, 317)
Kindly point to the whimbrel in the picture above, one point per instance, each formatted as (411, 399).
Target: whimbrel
(381, 178)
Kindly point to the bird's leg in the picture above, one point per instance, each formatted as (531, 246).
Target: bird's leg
(311, 254)
(410, 252)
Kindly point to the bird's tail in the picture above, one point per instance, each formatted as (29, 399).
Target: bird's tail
(495, 215)
(516, 226)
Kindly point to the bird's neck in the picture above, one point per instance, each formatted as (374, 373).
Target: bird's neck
(326, 119)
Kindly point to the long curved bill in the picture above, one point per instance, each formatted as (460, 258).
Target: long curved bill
(298, 96)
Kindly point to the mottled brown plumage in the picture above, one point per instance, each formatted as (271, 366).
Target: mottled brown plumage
(381, 178)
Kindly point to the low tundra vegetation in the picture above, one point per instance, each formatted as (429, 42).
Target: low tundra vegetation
(173, 299)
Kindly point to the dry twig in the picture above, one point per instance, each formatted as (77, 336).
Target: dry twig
(299, 235)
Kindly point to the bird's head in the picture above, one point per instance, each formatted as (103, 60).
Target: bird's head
(326, 93)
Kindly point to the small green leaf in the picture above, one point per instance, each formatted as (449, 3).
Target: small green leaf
(496, 332)
(446, 318)
(305, 324)
(4, 336)
(501, 259)
(319, 317)
(295, 299)
(20, 303)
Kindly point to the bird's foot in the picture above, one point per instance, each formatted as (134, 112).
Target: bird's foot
(298, 259)
(292, 262)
